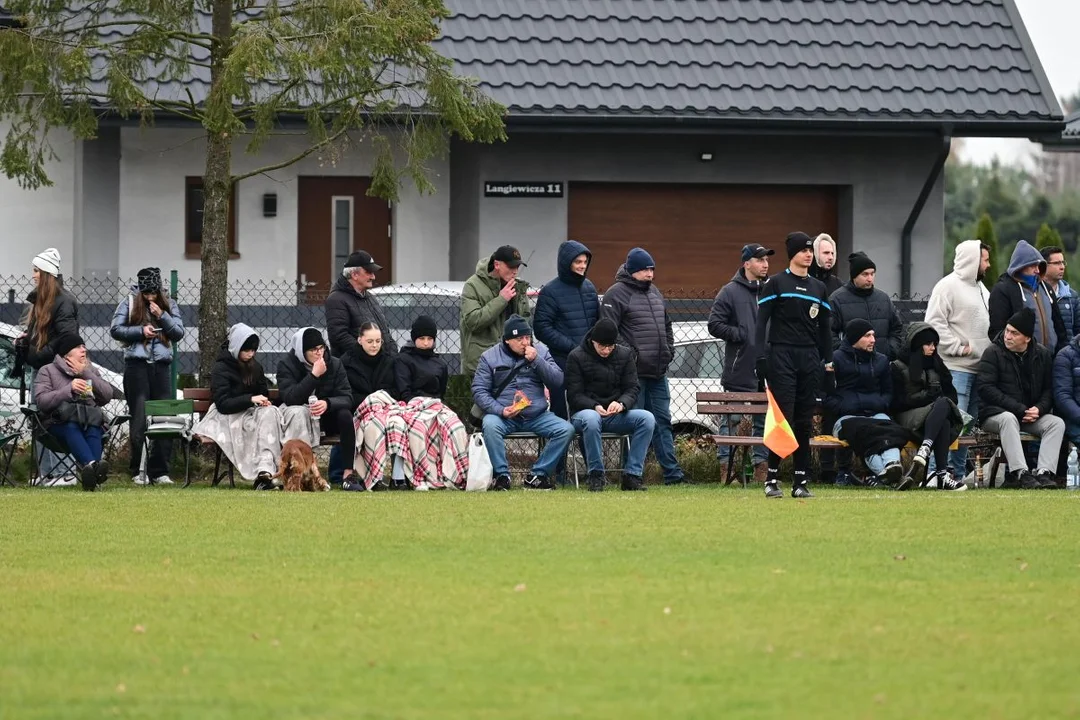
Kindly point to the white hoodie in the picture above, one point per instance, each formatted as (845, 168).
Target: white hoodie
(959, 310)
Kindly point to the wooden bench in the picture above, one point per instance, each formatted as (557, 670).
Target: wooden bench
(756, 403)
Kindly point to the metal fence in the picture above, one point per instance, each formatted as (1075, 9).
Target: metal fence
(277, 308)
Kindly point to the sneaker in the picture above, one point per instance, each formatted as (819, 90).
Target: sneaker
(55, 482)
(1047, 480)
(263, 481)
(422, 487)
(88, 477)
(102, 469)
(801, 491)
(163, 480)
(631, 483)
(916, 473)
(539, 482)
(502, 482)
(845, 478)
(596, 482)
(140, 479)
(349, 485)
(772, 490)
(893, 475)
(877, 483)
(945, 481)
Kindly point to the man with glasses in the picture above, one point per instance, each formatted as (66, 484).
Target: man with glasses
(1067, 302)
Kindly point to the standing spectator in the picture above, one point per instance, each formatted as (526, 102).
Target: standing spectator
(1016, 390)
(959, 311)
(1067, 302)
(637, 308)
(824, 267)
(601, 389)
(419, 370)
(733, 319)
(566, 308)
(793, 319)
(147, 323)
(349, 305)
(860, 299)
(369, 367)
(514, 369)
(51, 313)
(489, 298)
(1021, 287)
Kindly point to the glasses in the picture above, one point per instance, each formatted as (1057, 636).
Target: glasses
(1062, 263)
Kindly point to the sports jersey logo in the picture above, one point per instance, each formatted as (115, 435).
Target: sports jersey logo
(814, 311)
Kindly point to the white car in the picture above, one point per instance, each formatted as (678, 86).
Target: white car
(696, 367)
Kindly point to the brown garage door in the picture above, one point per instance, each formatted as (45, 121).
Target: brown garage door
(694, 232)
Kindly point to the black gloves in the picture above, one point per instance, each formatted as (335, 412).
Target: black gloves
(761, 369)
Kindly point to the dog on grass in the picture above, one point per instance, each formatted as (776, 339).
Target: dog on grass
(298, 469)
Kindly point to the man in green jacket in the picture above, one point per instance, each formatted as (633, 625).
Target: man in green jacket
(488, 299)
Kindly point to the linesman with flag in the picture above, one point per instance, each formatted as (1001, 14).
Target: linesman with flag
(793, 326)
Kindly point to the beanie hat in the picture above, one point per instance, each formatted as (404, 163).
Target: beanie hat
(312, 338)
(1023, 321)
(796, 242)
(637, 259)
(859, 262)
(515, 327)
(252, 343)
(855, 329)
(424, 326)
(48, 260)
(604, 332)
(150, 280)
(66, 343)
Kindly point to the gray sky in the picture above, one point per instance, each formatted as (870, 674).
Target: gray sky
(1052, 25)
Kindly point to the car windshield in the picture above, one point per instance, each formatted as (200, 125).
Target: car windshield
(698, 360)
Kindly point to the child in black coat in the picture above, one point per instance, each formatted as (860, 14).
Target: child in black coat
(419, 370)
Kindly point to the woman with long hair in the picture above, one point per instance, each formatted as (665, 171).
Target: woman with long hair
(147, 323)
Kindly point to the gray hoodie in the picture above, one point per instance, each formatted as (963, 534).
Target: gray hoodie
(238, 335)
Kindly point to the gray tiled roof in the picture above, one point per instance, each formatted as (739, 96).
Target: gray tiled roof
(960, 61)
(1072, 127)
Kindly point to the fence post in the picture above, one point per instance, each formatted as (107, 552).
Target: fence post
(174, 366)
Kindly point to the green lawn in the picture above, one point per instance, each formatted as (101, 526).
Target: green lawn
(700, 602)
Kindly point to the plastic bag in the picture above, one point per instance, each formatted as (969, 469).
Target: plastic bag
(479, 477)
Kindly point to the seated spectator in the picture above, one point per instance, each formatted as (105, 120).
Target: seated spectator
(419, 370)
(69, 393)
(601, 389)
(1016, 395)
(242, 422)
(1067, 389)
(864, 390)
(924, 401)
(509, 387)
(310, 371)
(369, 366)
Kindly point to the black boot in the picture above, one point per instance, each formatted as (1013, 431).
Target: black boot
(596, 481)
(1012, 480)
(88, 477)
(631, 483)
(1028, 481)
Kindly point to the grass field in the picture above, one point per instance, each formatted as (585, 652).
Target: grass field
(700, 602)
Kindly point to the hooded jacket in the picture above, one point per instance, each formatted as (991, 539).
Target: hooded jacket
(637, 309)
(1067, 382)
(64, 321)
(483, 312)
(959, 310)
(346, 311)
(136, 346)
(733, 319)
(52, 393)
(863, 382)
(928, 384)
(1011, 382)
(533, 377)
(592, 380)
(296, 383)
(567, 307)
(874, 306)
(369, 373)
(1010, 294)
(828, 277)
(420, 373)
(231, 394)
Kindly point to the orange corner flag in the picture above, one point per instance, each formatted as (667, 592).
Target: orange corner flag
(778, 435)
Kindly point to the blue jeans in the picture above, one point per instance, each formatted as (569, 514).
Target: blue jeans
(557, 431)
(874, 463)
(655, 397)
(967, 399)
(639, 424)
(84, 443)
(726, 422)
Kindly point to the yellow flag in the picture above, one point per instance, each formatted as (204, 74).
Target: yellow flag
(778, 435)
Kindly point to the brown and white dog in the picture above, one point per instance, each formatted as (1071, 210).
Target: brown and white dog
(298, 468)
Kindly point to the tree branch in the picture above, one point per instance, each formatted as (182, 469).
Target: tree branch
(299, 156)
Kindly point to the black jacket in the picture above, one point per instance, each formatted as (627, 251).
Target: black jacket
(1006, 299)
(734, 320)
(230, 394)
(863, 383)
(367, 375)
(346, 310)
(420, 373)
(567, 307)
(827, 277)
(64, 321)
(592, 380)
(296, 384)
(919, 386)
(1012, 383)
(637, 308)
(874, 306)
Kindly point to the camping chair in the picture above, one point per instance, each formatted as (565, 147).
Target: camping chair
(48, 441)
(9, 442)
(168, 420)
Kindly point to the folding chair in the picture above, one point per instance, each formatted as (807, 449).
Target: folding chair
(576, 449)
(169, 420)
(40, 435)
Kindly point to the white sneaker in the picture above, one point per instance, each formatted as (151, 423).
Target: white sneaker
(949, 483)
(163, 480)
(140, 479)
(422, 487)
(51, 482)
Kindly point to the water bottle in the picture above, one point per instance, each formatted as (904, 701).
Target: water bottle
(1073, 478)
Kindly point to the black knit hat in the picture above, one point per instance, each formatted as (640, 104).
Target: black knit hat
(604, 332)
(424, 326)
(311, 339)
(149, 280)
(1023, 322)
(515, 327)
(855, 329)
(859, 262)
(796, 242)
(66, 343)
(252, 343)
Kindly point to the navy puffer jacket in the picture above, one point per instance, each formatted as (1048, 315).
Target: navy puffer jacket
(1067, 382)
(567, 307)
(863, 383)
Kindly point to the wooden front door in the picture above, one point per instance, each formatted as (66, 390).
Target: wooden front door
(334, 218)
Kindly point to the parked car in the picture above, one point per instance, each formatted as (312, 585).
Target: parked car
(696, 367)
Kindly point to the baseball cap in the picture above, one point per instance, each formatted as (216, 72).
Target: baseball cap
(753, 250)
(363, 259)
(509, 255)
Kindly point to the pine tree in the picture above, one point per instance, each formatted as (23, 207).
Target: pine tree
(984, 232)
(1049, 237)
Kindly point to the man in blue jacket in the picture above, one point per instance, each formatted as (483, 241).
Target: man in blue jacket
(515, 366)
